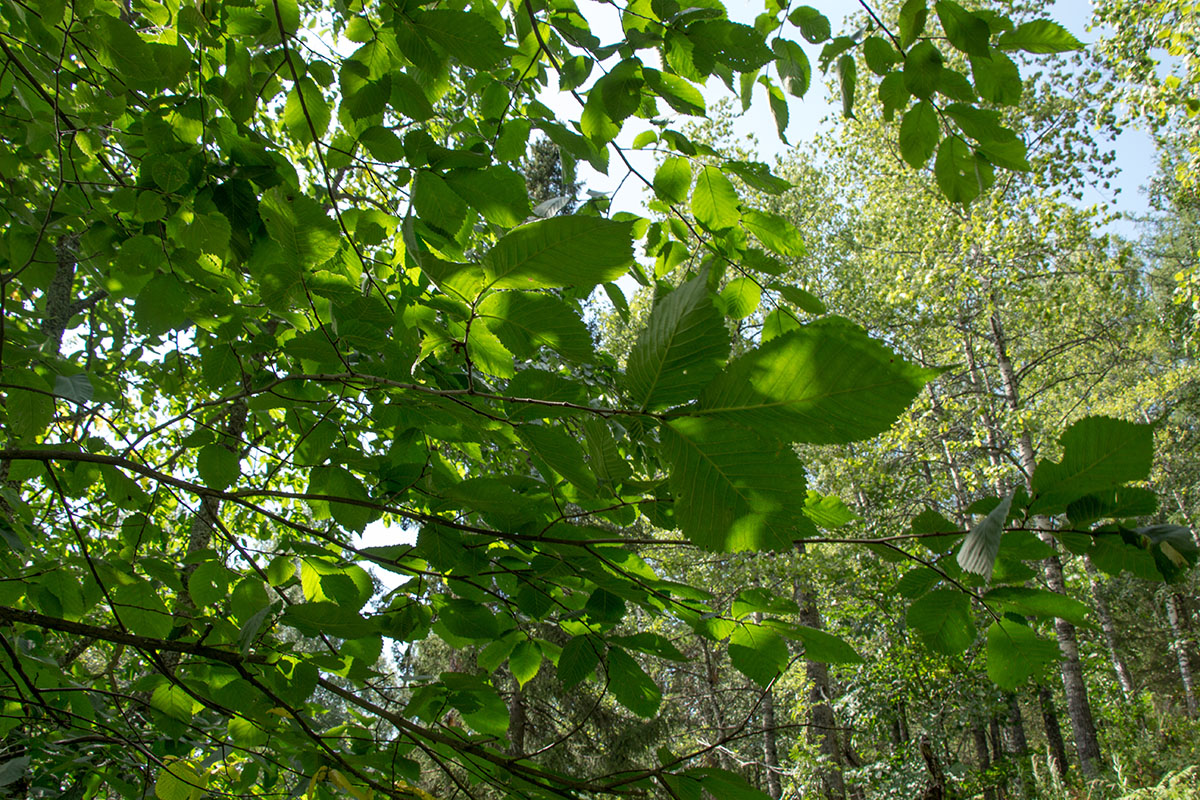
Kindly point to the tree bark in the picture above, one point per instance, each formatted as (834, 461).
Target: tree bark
(822, 727)
(1058, 751)
(1124, 677)
(1079, 709)
(1016, 746)
(1179, 635)
(983, 761)
(770, 745)
(517, 719)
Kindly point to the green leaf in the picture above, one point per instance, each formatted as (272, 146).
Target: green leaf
(943, 619)
(525, 661)
(179, 780)
(123, 48)
(748, 601)
(847, 81)
(1099, 453)
(922, 69)
(737, 46)
(172, 700)
(913, 15)
(714, 200)
(316, 619)
(673, 180)
(734, 490)
(965, 31)
(497, 193)
(468, 619)
(561, 452)
(997, 79)
(299, 225)
(723, 785)
(741, 297)
(813, 25)
(678, 93)
(879, 55)
(823, 646)
(468, 37)
(826, 382)
(219, 467)
(382, 144)
(1037, 603)
(917, 582)
(1014, 653)
(437, 204)
(795, 71)
(919, 134)
(578, 659)
(560, 251)
(525, 321)
(630, 685)
(982, 543)
(339, 482)
(960, 175)
(779, 109)
(758, 176)
(306, 113)
(209, 583)
(801, 299)
(653, 643)
(1040, 36)
(776, 233)
(141, 610)
(603, 606)
(685, 343)
(758, 653)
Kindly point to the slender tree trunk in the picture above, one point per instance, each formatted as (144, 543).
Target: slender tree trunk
(1079, 709)
(770, 745)
(822, 725)
(935, 787)
(997, 741)
(1110, 630)
(517, 721)
(1058, 751)
(1016, 746)
(1179, 634)
(983, 761)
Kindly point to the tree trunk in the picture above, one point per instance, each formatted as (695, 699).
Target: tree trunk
(770, 746)
(822, 727)
(983, 761)
(1016, 746)
(935, 788)
(1087, 743)
(1058, 751)
(1109, 629)
(1179, 634)
(517, 719)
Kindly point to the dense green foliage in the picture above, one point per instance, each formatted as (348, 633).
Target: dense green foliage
(274, 284)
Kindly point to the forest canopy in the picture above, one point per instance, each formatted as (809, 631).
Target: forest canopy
(347, 450)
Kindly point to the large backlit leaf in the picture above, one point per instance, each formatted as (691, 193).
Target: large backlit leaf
(735, 490)
(714, 200)
(1098, 453)
(526, 321)
(758, 653)
(1014, 653)
(560, 251)
(682, 347)
(943, 619)
(629, 683)
(825, 382)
